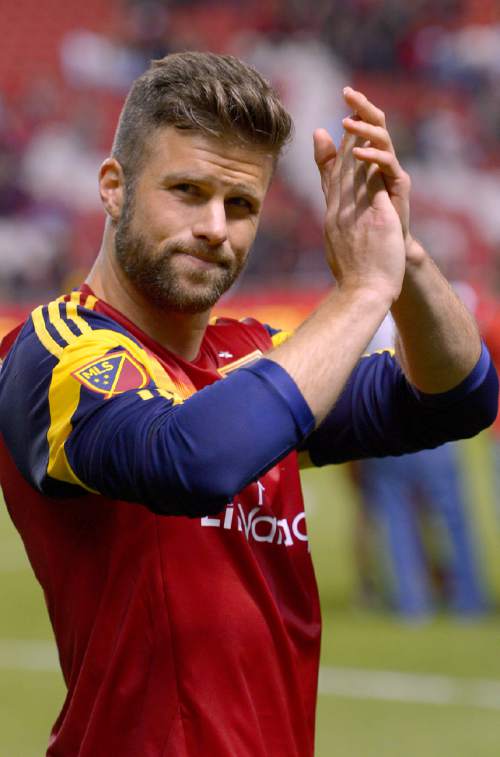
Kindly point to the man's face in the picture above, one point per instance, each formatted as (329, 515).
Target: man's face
(185, 231)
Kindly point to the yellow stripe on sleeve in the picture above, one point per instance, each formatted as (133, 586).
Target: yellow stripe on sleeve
(58, 323)
(43, 335)
(177, 390)
(64, 391)
(381, 351)
(73, 315)
(71, 476)
(90, 301)
(168, 395)
(145, 394)
(64, 396)
(280, 337)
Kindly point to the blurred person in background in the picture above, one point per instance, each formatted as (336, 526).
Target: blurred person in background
(417, 542)
(33, 231)
(160, 505)
(423, 542)
(488, 316)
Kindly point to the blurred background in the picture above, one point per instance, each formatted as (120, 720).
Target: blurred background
(407, 551)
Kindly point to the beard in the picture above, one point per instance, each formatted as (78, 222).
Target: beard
(156, 275)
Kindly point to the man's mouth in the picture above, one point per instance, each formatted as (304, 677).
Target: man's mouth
(204, 261)
(200, 262)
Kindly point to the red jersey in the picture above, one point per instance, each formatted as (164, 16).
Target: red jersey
(176, 636)
(161, 510)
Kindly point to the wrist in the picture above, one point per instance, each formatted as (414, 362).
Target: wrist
(415, 253)
(375, 293)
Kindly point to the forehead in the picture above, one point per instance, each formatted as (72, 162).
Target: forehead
(177, 151)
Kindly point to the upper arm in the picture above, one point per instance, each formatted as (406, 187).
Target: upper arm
(95, 412)
(67, 371)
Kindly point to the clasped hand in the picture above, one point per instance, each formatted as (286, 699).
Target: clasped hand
(367, 201)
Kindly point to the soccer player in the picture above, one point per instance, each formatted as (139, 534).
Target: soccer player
(149, 454)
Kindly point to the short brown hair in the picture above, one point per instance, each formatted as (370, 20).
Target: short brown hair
(216, 95)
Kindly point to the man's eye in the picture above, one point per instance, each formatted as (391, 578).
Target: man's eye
(186, 188)
(240, 202)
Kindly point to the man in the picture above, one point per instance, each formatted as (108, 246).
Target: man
(200, 635)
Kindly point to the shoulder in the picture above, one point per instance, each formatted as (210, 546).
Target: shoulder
(67, 359)
(71, 320)
(65, 340)
(66, 331)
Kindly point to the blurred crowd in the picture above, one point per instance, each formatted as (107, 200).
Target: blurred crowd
(432, 65)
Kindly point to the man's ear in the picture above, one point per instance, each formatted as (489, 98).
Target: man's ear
(112, 187)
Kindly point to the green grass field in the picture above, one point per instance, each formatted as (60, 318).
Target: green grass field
(445, 702)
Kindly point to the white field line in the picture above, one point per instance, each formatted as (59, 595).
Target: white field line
(20, 654)
(350, 683)
(417, 688)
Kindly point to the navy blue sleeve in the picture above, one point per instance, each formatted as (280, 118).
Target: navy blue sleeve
(192, 458)
(380, 413)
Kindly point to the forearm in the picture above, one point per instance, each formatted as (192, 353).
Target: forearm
(438, 342)
(325, 349)
(168, 458)
(192, 458)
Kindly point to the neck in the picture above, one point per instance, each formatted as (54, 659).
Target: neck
(181, 333)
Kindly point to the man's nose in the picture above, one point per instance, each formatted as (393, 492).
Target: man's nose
(211, 225)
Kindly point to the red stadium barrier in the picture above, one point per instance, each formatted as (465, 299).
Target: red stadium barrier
(9, 318)
(280, 308)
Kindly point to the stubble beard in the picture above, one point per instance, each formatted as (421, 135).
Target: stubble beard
(153, 274)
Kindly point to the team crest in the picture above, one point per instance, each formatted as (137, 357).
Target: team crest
(113, 374)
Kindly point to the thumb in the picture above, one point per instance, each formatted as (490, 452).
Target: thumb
(325, 153)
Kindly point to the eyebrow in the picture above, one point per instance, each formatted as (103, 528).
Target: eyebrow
(182, 176)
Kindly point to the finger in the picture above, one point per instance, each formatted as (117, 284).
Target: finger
(360, 174)
(361, 197)
(348, 179)
(325, 153)
(384, 159)
(376, 191)
(361, 105)
(396, 180)
(377, 148)
(377, 135)
(324, 148)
